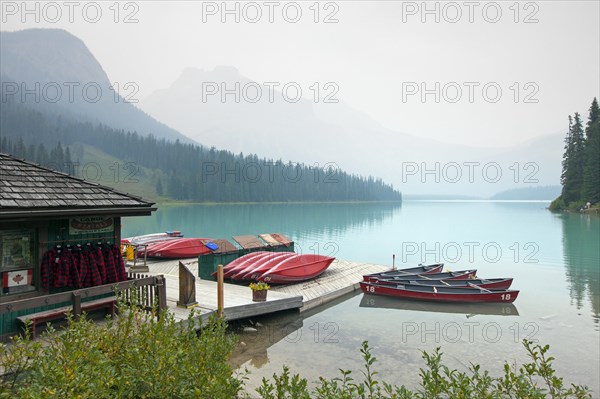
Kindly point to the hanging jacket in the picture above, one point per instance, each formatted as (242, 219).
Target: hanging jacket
(49, 258)
(92, 276)
(99, 257)
(109, 261)
(78, 268)
(119, 263)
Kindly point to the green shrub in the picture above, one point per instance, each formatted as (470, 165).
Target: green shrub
(136, 355)
(557, 205)
(534, 380)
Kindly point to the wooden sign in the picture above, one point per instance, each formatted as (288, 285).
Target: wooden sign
(91, 224)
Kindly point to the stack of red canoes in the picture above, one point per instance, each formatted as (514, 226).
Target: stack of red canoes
(430, 284)
(276, 267)
(175, 248)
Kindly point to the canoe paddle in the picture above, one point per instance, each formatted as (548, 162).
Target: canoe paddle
(476, 286)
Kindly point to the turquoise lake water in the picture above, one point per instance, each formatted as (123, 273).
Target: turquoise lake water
(554, 259)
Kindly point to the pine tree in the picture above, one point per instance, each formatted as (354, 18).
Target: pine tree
(159, 187)
(590, 191)
(573, 160)
(42, 155)
(69, 167)
(566, 155)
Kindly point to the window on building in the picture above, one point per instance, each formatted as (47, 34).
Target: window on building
(17, 260)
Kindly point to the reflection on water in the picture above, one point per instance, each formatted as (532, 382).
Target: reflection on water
(581, 247)
(271, 329)
(468, 309)
(293, 220)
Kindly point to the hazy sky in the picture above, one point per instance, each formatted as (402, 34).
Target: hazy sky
(538, 61)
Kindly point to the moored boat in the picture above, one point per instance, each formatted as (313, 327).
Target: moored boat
(490, 283)
(242, 262)
(457, 275)
(179, 248)
(154, 237)
(442, 294)
(261, 265)
(421, 269)
(297, 268)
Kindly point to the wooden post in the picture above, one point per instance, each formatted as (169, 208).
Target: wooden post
(187, 288)
(220, 287)
(161, 292)
(139, 268)
(394, 262)
(76, 304)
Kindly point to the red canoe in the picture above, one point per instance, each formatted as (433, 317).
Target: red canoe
(181, 248)
(297, 268)
(457, 275)
(411, 271)
(443, 294)
(487, 283)
(261, 265)
(242, 262)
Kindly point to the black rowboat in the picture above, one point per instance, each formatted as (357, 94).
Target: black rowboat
(411, 271)
(457, 275)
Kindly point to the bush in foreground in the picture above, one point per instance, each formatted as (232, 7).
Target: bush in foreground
(133, 356)
(534, 380)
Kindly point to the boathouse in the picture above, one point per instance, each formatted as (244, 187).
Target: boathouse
(58, 234)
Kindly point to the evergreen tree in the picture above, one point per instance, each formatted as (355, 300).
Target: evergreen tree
(42, 155)
(591, 172)
(572, 178)
(30, 152)
(566, 155)
(20, 151)
(68, 162)
(159, 187)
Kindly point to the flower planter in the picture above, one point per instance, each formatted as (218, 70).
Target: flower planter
(259, 296)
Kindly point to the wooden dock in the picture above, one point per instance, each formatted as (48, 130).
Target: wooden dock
(340, 278)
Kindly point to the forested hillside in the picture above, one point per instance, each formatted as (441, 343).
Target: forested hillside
(180, 170)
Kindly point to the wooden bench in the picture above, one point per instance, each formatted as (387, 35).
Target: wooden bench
(59, 313)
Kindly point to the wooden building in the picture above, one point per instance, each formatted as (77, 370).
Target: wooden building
(42, 210)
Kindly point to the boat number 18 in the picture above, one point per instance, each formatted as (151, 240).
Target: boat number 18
(505, 297)
(370, 288)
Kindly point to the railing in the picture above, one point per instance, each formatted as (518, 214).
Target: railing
(146, 296)
(148, 288)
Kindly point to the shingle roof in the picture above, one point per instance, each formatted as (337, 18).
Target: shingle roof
(30, 187)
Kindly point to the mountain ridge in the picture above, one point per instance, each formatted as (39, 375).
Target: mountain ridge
(63, 76)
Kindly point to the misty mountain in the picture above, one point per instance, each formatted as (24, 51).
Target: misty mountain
(542, 193)
(223, 108)
(54, 72)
